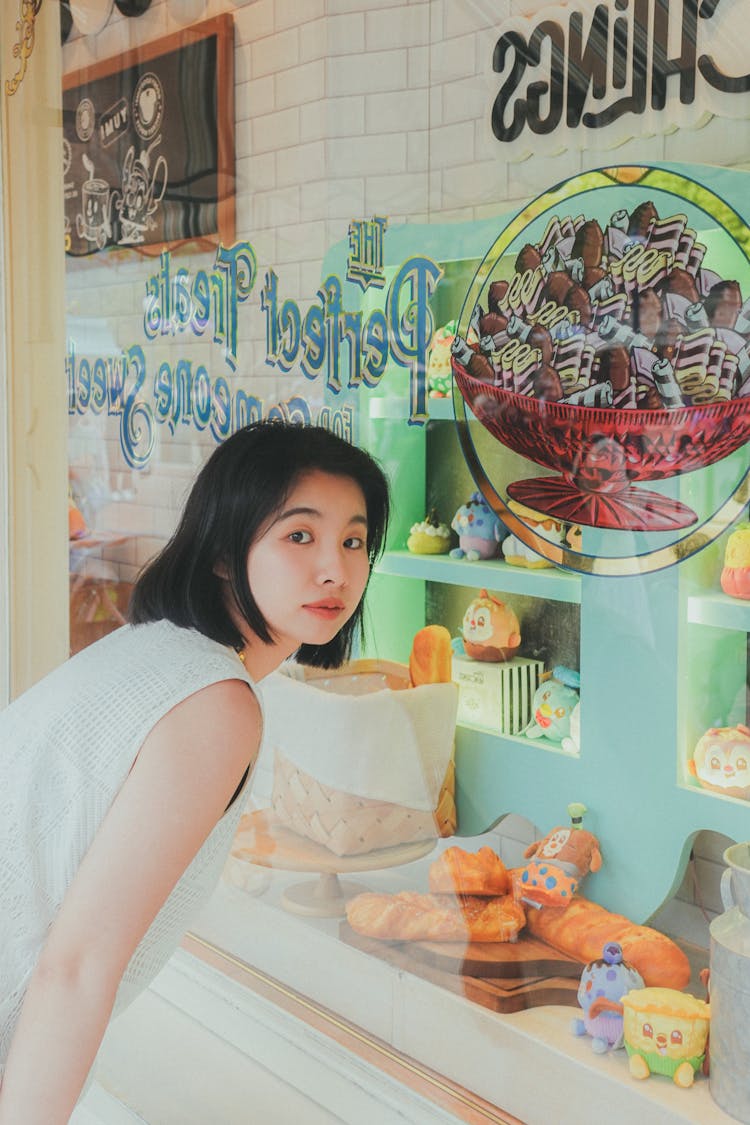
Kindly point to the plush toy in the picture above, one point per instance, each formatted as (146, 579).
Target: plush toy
(553, 704)
(735, 576)
(665, 1033)
(572, 743)
(430, 537)
(721, 761)
(517, 553)
(603, 983)
(478, 528)
(557, 863)
(490, 629)
(439, 373)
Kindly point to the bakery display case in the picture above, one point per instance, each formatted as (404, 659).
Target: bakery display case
(542, 324)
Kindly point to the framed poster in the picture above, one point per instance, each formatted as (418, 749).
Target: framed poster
(148, 145)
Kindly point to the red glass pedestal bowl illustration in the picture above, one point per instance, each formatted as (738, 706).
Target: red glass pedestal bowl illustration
(601, 452)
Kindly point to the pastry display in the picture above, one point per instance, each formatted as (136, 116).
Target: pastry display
(490, 630)
(665, 1033)
(478, 528)
(410, 916)
(603, 983)
(430, 537)
(583, 928)
(460, 872)
(721, 761)
(735, 574)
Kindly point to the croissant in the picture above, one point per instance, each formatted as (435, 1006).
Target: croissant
(583, 928)
(468, 873)
(410, 916)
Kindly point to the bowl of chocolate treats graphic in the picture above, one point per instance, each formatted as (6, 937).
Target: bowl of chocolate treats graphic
(611, 353)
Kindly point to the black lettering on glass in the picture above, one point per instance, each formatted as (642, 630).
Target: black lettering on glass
(511, 40)
(661, 65)
(555, 87)
(587, 66)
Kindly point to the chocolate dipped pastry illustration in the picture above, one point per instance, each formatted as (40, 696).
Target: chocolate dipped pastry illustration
(614, 353)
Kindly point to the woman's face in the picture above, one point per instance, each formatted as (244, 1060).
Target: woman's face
(309, 566)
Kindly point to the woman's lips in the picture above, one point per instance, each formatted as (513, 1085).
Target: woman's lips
(329, 611)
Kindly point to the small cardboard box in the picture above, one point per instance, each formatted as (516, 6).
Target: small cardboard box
(496, 696)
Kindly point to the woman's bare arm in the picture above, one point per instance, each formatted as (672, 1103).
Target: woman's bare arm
(182, 780)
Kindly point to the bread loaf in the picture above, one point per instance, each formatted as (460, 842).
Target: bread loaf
(409, 916)
(430, 658)
(469, 873)
(583, 928)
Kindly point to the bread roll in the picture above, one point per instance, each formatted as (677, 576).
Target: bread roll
(430, 660)
(583, 928)
(469, 873)
(409, 916)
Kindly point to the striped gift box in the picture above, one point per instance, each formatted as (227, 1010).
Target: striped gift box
(496, 696)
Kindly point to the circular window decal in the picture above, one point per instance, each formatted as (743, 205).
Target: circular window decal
(85, 119)
(605, 340)
(148, 106)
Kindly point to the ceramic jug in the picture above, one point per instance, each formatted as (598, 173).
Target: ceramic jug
(730, 988)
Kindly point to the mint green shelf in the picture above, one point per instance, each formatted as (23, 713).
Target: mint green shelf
(518, 742)
(551, 583)
(720, 611)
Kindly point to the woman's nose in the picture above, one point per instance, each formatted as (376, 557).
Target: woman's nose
(332, 567)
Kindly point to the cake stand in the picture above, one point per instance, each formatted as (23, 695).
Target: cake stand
(263, 840)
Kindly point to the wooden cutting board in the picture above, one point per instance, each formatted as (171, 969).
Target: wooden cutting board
(527, 957)
(522, 974)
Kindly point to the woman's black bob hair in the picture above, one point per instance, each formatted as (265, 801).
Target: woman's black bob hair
(242, 485)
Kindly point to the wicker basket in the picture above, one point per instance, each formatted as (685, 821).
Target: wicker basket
(344, 822)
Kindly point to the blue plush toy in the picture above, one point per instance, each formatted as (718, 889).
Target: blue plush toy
(603, 984)
(553, 705)
(479, 530)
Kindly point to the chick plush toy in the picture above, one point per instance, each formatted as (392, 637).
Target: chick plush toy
(478, 528)
(553, 704)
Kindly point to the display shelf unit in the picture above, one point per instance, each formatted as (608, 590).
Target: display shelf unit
(550, 583)
(638, 687)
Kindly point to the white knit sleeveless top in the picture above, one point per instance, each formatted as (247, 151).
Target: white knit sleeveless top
(66, 747)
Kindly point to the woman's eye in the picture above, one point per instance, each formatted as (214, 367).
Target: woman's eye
(354, 542)
(300, 537)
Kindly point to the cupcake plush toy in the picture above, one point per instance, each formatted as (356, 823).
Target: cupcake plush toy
(430, 537)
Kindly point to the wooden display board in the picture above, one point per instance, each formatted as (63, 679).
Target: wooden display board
(148, 145)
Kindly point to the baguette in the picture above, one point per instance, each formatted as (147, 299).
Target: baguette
(468, 873)
(583, 928)
(410, 916)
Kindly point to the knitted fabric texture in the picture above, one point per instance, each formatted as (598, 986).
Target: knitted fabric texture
(66, 747)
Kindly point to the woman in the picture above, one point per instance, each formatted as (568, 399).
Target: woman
(123, 773)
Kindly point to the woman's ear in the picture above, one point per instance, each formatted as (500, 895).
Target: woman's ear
(220, 569)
